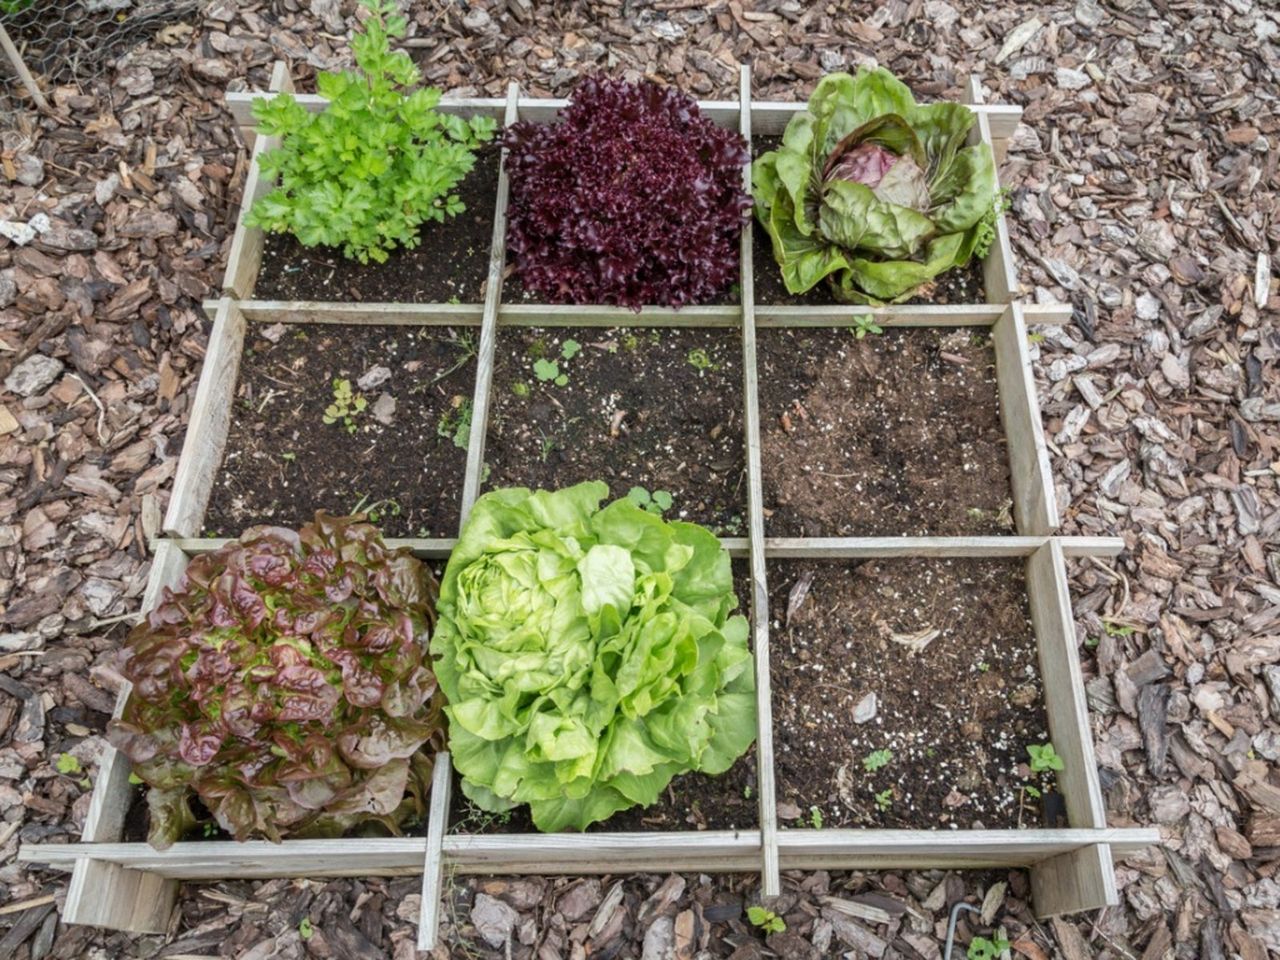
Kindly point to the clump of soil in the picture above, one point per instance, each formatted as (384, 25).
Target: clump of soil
(961, 285)
(657, 408)
(947, 649)
(895, 434)
(692, 801)
(449, 265)
(283, 463)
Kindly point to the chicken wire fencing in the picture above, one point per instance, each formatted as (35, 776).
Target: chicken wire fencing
(74, 41)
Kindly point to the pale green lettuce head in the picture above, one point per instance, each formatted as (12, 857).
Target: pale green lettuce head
(588, 655)
(873, 191)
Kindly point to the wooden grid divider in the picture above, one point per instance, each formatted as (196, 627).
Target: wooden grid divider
(130, 886)
(474, 476)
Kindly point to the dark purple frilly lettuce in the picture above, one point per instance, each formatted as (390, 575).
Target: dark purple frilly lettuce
(631, 197)
(286, 683)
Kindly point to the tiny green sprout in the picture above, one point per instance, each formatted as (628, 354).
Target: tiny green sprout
(455, 423)
(546, 370)
(1032, 792)
(520, 388)
(288, 456)
(863, 324)
(67, 764)
(876, 759)
(746, 792)
(305, 930)
(700, 360)
(1035, 337)
(548, 444)
(656, 503)
(209, 829)
(1092, 642)
(136, 780)
(570, 349)
(1117, 629)
(980, 948)
(1044, 758)
(884, 800)
(976, 513)
(346, 405)
(815, 818)
(765, 919)
(983, 666)
(630, 343)
(455, 300)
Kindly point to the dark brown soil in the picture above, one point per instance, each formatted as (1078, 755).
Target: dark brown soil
(450, 265)
(635, 411)
(957, 716)
(956, 286)
(692, 801)
(283, 463)
(898, 433)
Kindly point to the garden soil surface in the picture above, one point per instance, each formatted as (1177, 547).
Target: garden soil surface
(692, 801)
(957, 715)
(658, 408)
(898, 433)
(283, 462)
(450, 265)
(962, 285)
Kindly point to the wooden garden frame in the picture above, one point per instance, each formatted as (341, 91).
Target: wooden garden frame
(130, 886)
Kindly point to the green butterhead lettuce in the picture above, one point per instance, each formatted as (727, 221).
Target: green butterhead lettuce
(874, 192)
(588, 655)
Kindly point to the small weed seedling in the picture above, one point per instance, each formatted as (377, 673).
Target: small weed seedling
(378, 509)
(766, 920)
(1117, 629)
(67, 764)
(884, 800)
(980, 948)
(346, 405)
(701, 361)
(815, 818)
(1044, 758)
(455, 423)
(865, 323)
(548, 371)
(570, 349)
(876, 759)
(656, 503)
(305, 930)
(520, 389)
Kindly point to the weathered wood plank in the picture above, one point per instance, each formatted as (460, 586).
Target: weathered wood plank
(928, 849)
(245, 257)
(999, 273)
(207, 427)
(770, 881)
(770, 117)
(381, 314)
(1083, 879)
(1035, 507)
(489, 327)
(1063, 682)
(433, 861)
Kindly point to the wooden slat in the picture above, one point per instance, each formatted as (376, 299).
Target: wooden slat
(770, 117)
(207, 427)
(1035, 508)
(1083, 879)
(245, 258)
(239, 104)
(1063, 683)
(711, 850)
(1047, 314)
(433, 858)
(770, 881)
(561, 315)
(799, 547)
(489, 328)
(382, 314)
(104, 894)
(999, 275)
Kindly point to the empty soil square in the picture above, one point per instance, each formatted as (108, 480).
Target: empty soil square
(658, 408)
(401, 457)
(896, 434)
(905, 693)
(449, 265)
(691, 801)
(961, 285)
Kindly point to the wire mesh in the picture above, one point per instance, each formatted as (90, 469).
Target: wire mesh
(75, 41)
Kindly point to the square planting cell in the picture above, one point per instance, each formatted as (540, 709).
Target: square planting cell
(659, 408)
(897, 433)
(401, 456)
(905, 694)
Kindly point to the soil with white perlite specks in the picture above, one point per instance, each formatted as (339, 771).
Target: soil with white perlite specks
(947, 649)
(659, 408)
(897, 433)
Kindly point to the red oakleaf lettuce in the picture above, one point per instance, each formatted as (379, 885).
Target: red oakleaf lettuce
(631, 197)
(286, 682)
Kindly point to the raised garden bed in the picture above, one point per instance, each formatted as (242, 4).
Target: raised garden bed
(132, 886)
